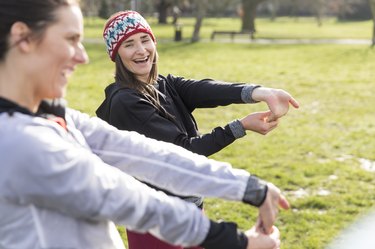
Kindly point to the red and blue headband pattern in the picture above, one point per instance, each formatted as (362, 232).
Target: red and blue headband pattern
(120, 27)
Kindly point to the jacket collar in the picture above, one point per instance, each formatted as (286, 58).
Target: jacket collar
(11, 107)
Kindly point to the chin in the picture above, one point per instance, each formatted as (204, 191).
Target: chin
(58, 94)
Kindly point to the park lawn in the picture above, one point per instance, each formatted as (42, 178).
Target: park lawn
(316, 155)
(281, 28)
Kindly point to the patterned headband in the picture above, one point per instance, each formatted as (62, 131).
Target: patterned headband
(120, 27)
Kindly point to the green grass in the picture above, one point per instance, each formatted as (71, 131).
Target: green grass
(326, 137)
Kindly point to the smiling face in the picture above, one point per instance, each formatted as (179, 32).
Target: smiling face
(137, 54)
(58, 53)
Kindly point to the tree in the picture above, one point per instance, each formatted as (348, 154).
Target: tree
(318, 7)
(249, 8)
(163, 7)
(90, 7)
(273, 6)
(104, 10)
(353, 9)
(200, 12)
(372, 7)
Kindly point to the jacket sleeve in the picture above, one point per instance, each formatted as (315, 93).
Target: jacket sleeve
(162, 164)
(207, 93)
(131, 112)
(49, 171)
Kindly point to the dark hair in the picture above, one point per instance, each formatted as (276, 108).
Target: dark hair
(128, 79)
(36, 14)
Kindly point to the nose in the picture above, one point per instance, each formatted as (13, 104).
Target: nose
(81, 56)
(140, 48)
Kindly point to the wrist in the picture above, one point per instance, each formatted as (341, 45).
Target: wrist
(258, 94)
(255, 192)
(224, 235)
(237, 129)
(248, 92)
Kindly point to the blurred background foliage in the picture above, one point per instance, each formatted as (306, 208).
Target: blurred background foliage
(245, 10)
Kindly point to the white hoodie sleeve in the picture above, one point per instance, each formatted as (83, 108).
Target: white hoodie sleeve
(162, 164)
(42, 166)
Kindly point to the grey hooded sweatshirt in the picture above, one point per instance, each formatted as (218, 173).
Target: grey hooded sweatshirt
(66, 188)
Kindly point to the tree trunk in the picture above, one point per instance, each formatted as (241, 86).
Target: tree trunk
(200, 11)
(273, 7)
(249, 14)
(163, 6)
(294, 12)
(318, 9)
(372, 6)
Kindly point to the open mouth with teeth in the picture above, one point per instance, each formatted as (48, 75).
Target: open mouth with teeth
(142, 60)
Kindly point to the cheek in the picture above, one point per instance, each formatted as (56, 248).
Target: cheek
(153, 54)
(125, 53)
(152, 48)
(125, 57)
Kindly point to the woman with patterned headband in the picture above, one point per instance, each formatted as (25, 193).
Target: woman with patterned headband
(161, 107)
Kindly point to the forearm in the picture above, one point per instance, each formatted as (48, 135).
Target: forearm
(166, 165)
(224, 235)
(208, 93)
(209, 143)
(183, 172)
(173, 168)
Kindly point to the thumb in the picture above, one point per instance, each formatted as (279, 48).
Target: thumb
(265, 114)
(294, 103)
(272, 117)
(283, 202)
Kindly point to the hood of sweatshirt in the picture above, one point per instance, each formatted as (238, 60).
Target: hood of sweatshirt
(104, 109)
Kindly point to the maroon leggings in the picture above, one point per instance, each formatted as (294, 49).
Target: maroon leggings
(147, 241)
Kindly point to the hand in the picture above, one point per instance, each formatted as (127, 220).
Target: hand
(277, 100)
(269, 209)
(258, 122)
(258, 240)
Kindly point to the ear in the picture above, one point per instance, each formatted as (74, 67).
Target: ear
(19, 35)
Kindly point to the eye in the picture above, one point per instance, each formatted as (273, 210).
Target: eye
(145, 40)
(128, 45)
(74, 39)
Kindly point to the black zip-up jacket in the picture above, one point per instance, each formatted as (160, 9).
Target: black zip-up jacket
(127, 109)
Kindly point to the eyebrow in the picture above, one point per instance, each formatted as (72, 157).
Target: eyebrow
(75, 36)
(132, 40)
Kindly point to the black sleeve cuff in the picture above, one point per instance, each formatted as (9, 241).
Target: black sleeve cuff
(224, 235)
(256, 191)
